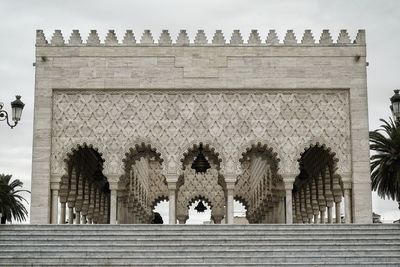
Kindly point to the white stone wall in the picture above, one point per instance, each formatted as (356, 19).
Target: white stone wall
(327, 78)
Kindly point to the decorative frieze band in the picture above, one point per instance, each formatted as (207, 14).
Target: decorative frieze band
(200, 39)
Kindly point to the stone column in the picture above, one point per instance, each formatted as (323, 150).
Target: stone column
(329, 198)
(303, 206)
(172, 204)
(321, 199)
(70, 214)
(329, 214)
(230, 180)
(113, 206)
(172, 179)
(62, 215)
(54, 206)
(229, 207)
(294, 220)
(322, 214)
(316, 221)
(62, 195)
(83, 219)
(314, 201)
(337, 212)
(289, 206)
(113, 181)
(347, 205)
(309, 209)
(72, 195)
(299, 218)
(288, 181)
(78, 217)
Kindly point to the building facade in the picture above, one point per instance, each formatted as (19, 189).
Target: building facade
(280, 126)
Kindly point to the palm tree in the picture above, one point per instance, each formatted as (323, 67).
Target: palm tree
(385, 163)
(11, 203)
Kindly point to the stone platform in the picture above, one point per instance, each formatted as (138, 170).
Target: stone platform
(200, 245)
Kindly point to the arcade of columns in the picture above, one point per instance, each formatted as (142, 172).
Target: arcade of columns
(84, 190)
(85, 193)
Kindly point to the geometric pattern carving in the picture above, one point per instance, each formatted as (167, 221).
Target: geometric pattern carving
(229, 120)
(158, 189)
(201, 186)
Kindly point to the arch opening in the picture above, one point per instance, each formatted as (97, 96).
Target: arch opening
(240, 212)
(84, 189)
(260, 187)
(196, 217)
(205, 184)
(317, 189)
(161, 207)
(141, 186)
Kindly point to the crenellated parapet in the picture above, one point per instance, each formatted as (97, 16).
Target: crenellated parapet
(218, 39)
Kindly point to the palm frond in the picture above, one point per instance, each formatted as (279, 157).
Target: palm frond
(385, 163)
(11, 202)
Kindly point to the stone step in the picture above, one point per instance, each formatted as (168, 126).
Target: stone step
(73, 245)
(203, 231)
(211, 227)
(164, 236)
(191, 239)
(220, 242)
(248, 264)
(237, 260)
(209, 253)
(195, 236)
(156, 242)
(200, 245)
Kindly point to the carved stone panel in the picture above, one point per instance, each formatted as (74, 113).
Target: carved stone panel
(171, 120)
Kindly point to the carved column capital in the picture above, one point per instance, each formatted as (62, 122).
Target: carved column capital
(230, 180)
(172, 177)
(288, 180)
(113, 179)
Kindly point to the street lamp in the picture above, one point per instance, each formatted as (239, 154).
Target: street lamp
(16, 110)
(395, 106)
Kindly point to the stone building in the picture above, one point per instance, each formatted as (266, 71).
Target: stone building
(280, 126)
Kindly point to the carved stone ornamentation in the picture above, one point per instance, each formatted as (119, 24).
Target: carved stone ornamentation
(202, 186)
(113, 121)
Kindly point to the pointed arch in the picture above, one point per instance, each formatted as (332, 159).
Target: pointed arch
(260, 186)
(84, 186)
(158, 148)
(317, 180)
(73, 147)
(140, 150)
(142, 185)
(207, 146)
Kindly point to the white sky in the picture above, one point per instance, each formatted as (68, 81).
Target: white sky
(20, 19)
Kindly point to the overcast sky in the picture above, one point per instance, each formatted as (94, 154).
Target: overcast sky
(20, 19)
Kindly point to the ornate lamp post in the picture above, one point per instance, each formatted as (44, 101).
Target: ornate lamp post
(16, 110)
(395, 106)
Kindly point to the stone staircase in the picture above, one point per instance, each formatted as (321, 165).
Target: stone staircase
(200, 245)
